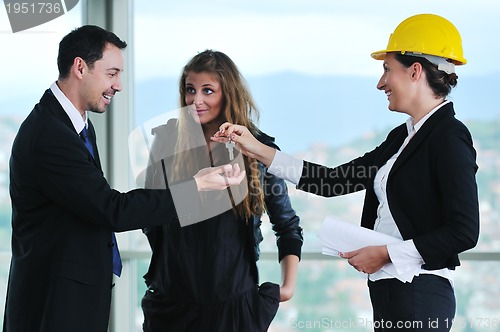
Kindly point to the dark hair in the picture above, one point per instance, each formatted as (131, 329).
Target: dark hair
(87, 42)
(440, 82)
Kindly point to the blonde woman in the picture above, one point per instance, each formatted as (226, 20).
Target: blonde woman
(203, 277)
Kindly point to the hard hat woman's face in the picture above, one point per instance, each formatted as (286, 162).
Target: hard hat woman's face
(397, 83)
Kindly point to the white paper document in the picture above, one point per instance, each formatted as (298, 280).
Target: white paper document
(338, 236)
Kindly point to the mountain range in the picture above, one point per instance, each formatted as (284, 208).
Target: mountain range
(300, 109)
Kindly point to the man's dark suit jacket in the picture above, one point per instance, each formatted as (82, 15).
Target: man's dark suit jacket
(63, 216)
(431, 188)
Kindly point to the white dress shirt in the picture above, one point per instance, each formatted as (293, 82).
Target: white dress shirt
(76, 118)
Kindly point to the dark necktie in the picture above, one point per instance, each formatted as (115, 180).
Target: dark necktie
(117, 262)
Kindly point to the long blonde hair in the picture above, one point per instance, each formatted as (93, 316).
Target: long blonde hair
(237, 107)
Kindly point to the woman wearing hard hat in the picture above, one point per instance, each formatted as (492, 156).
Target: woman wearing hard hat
(423, 191)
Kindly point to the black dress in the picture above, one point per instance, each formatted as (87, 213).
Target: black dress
(209, 281)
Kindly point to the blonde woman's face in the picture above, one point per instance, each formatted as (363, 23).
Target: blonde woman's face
(204, 93)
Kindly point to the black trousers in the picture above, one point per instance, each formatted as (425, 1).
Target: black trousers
(425, 304)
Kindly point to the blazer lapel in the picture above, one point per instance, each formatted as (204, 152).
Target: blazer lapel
(56, 109)
(49, 100)
(422, 133)
(393, 146)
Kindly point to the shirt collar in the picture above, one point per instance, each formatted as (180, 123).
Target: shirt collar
(413, 128)
(74, 115)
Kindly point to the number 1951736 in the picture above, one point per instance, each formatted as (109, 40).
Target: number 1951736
(33, 8)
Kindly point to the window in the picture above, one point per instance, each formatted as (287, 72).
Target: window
(309, 69)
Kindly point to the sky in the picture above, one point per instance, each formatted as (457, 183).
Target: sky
(316, 37)
(319, 37)
(329, 39)
(28, 58)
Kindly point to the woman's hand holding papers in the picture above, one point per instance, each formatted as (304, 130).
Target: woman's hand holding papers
(368, 259)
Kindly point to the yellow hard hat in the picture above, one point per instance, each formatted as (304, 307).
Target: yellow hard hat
(426, 34)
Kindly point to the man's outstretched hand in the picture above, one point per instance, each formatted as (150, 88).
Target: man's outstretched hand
(219, 178)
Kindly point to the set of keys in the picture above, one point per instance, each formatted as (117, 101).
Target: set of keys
(230, 148)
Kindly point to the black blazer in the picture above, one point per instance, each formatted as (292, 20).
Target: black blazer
(431, 188)
(63, 216)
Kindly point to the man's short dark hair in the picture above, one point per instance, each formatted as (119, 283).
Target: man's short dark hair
(87, 42)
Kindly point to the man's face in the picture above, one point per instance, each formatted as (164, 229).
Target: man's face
(100, 83)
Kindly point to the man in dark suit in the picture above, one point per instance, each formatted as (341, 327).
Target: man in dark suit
(64, 213)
